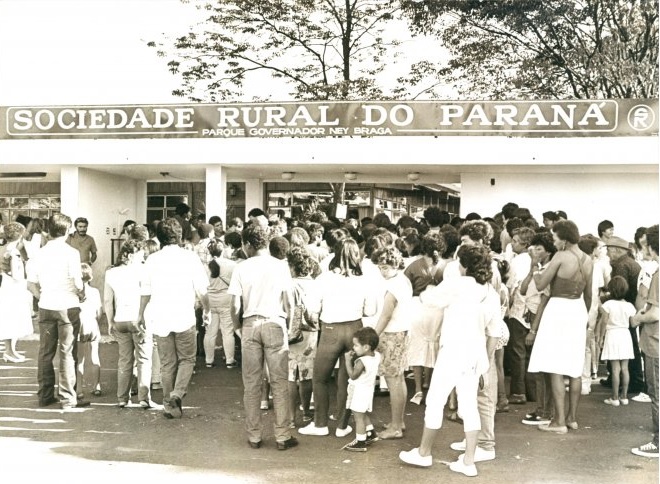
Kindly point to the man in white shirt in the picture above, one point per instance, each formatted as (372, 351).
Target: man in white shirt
(518, 326)
(55, 279)
(174, 277)
(262, 286)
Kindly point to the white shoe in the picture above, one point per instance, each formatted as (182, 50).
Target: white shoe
(624, 401)
(343, 432)
(642, 398)
(460, 467)
(458, 445)
(611, 401)
(481, 455)
(312, 429)
(412, 457)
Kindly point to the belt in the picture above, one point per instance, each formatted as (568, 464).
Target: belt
(258, 317)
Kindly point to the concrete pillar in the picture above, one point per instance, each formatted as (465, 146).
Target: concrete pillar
(141, 201)
(216, 192)
(70, 190)
(254, 194)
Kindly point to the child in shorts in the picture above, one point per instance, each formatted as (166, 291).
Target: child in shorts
(362, 366)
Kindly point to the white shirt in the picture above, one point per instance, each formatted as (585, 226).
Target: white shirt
(124, 283)
(400, 287)
(56, 268)
(472, 313)
(376, 282)
(173, 277)
(261, 281)
(343, 299)
(520, 266)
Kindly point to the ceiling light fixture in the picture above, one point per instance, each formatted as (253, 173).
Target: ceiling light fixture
(413, 176)
(350, 175)
(288, 175)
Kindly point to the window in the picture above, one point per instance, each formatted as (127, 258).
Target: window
(159, 207)
(34, 206)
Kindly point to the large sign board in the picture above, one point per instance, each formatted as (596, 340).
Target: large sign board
(621, 117)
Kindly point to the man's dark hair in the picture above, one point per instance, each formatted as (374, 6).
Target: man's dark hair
(603, 226)
(255, 212)
(58, 225)
(256, 237)
(552, 216)
(509, 209)
(169, 232)
(587, 243)
(233, 240)
(567, 230)
(278, 247)
(182, 209)
(214, 220)
(652, 238)
(436, 217)
(80, 220)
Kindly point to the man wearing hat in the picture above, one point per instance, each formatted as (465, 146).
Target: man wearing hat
(625, 266)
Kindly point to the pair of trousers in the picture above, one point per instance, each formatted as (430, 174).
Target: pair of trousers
(517, 355)
(58, 334)
(177, 353)
(134, 346)
(220, 320)
(336, 339)
(651, 372)
(443, 381)
(487, 403)
(262, 341)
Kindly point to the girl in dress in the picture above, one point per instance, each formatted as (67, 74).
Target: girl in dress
(425, 322)
(362, 366)
(615, 338)
(15, 300)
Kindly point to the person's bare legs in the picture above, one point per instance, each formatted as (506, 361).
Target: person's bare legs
(625, 379)
(470, 447)
(428, 439)
(556, 384)
(398, 396)
(616, 378)
(418, 372)
(574, 391)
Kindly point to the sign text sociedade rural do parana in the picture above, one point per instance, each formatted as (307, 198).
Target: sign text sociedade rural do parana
(637, 117)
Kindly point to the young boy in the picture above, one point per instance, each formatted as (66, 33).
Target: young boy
(362, 366)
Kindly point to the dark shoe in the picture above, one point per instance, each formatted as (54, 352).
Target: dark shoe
(504, 408)
(256, 445)
(79, 404)
(48, 402)
(606, 382)
(356, 446)
(287, 444)
(233, 364)
(97, 393)
(176, 410)
(517, 399)
(167, 414)
(372, 437)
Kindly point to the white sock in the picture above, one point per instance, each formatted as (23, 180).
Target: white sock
(361, 437)
(369, 428)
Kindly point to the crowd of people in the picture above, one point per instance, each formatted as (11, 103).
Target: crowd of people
(320, 306)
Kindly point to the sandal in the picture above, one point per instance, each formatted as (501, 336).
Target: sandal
(390, 434)
(97, 392)
(417, 398)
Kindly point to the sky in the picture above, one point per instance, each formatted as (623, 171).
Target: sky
(63, 52)
(57, 52)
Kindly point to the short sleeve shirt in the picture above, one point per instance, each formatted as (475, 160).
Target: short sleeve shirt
(400, 287)
(84, 244)
(648, 339)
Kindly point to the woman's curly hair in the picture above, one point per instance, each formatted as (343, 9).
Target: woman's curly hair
(477, 262)
(302, 264)
(388, 256)
(433, 246)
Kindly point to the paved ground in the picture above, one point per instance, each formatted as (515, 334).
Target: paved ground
(106, 443)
